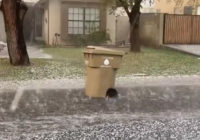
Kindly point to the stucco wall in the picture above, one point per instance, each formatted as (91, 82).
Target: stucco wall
(123, 29)
(45, 23)
(151, 29)
(111, 27)
(172, 7)
(2, 29)
(164, 6)
(54, 19)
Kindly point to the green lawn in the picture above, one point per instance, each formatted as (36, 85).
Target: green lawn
(160, 62)
(69, 63)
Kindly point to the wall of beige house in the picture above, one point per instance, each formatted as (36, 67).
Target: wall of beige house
(165, 6)
(172, 7)
(151, 29)
(54, 20)
(2, 29)
(123, 29)
(111, 27)
(46, 23)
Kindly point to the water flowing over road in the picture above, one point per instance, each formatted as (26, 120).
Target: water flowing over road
(141, 111)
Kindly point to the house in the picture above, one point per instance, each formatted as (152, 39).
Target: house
(191, 7)
(58, 20)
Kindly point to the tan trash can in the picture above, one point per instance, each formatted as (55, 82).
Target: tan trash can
(101, 67)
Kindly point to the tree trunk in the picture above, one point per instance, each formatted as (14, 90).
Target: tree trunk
(14, 12)
(134, 19)
(135, 38)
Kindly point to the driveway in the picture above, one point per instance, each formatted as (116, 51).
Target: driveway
(191, 49)
(33, 51)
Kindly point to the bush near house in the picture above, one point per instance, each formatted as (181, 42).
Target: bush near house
(95, 38)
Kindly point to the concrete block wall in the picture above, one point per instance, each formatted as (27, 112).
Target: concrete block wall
(151, 29)
(123, 29)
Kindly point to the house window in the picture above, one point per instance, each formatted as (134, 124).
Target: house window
(188, 10)
(83, 20)
(92, 21)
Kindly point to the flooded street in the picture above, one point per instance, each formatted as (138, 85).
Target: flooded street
(146, 113)
(168, 125)
(99, 69)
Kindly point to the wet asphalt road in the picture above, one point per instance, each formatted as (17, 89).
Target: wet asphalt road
(162, 126)
(141, 113)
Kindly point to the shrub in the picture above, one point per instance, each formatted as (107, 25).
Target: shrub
(95, 38)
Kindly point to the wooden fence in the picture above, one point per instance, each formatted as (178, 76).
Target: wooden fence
(181, 29)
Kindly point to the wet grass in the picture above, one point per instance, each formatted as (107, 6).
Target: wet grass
(69, 63)
(65, 63)
(160, 62)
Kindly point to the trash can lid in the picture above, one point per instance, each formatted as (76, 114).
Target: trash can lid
(101, 50)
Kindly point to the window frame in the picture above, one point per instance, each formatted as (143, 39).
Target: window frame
(98, 21)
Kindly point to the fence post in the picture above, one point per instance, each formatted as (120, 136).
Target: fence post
(162, 29)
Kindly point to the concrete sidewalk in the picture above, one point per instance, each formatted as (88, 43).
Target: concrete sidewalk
(190, 49)
(33, 51)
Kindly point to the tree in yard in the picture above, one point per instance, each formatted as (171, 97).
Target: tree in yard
(14, 12)
(132, 9)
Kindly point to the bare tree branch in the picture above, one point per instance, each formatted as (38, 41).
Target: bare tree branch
(125, 6)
